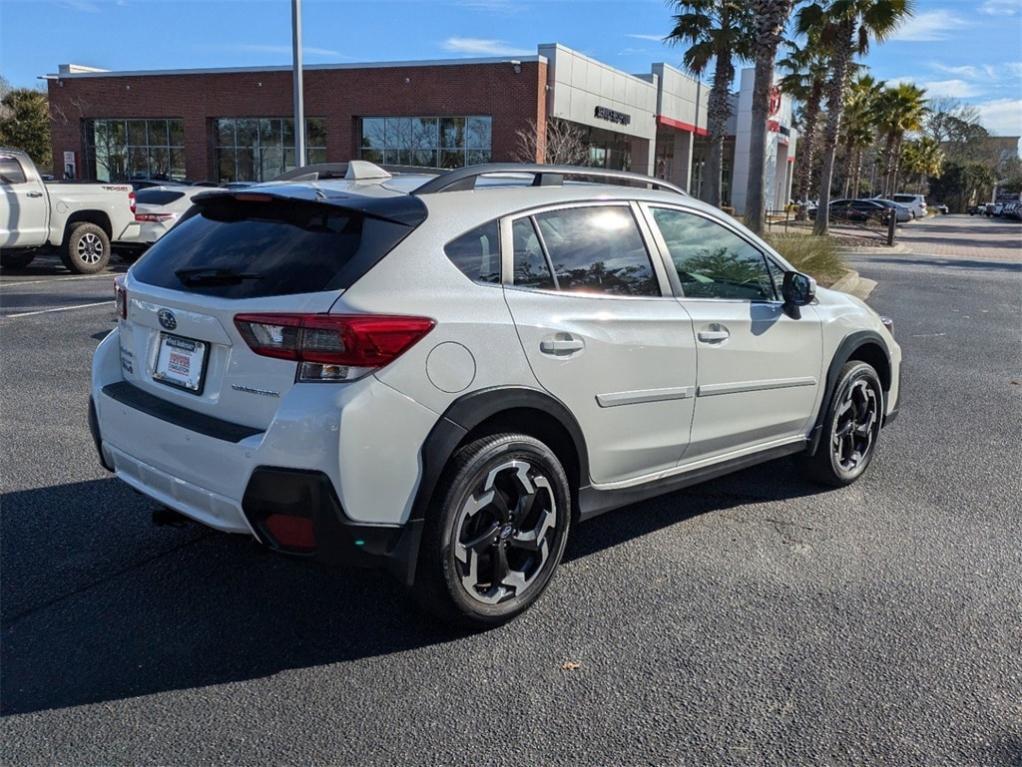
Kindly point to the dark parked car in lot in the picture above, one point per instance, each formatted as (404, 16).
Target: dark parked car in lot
(857, 211)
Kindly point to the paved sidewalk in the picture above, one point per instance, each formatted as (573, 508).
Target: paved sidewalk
(961, 237)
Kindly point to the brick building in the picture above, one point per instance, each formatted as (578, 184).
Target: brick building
(236, 124)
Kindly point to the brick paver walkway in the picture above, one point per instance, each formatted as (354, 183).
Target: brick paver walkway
(964, 237)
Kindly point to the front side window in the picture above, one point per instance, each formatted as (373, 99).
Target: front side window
(712, 261)
(597, 249)
(262, 148)
(477, 253)
(432, 142)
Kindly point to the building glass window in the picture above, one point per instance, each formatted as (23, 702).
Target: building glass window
(121, 150)
(261, 148)
(433, 142)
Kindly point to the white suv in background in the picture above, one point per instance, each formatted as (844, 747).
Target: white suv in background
(444, 374)
(916, 203)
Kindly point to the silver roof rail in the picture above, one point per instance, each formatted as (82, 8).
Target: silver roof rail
(462, 179)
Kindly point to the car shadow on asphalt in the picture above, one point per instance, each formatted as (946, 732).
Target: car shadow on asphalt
(86, 621)
(952, 263)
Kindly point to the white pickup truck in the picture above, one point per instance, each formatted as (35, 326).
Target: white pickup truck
(80, 220)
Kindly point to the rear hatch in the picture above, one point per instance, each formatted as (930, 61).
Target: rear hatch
(286, 250)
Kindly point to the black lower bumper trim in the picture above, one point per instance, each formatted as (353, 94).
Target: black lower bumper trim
(339, 540)
(137, 399)
(94, 431)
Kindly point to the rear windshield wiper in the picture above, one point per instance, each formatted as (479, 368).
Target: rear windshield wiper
(209, 276)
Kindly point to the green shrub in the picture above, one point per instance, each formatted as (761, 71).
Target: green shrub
(816, 256)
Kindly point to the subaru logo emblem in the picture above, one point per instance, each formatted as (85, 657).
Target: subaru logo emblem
(167, 319)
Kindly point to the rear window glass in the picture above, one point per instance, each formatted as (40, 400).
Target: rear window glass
(477, 253)
(157, 196)
(11, 171)
(249, 249)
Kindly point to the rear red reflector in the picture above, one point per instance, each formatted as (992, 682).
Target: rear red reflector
(153, 217)
(120, 298)
(131, 200)
(346, 340)
(291, 532)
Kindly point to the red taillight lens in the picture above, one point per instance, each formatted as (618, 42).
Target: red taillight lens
(131, 200)
(120, 298)
(291, 532)
(153, 217)
(332, 347)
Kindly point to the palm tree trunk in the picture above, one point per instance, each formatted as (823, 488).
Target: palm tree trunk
(804, 161)
(771, 16)
(889, 163)
(849, 148)
(897, 165)
(718, 109)
(857, 173)
(835, 108)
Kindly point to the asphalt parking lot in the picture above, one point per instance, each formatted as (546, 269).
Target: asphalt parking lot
(752, 620)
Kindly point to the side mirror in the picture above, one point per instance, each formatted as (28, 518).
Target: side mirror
(798, 290)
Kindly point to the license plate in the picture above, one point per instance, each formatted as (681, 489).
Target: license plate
(181, 362)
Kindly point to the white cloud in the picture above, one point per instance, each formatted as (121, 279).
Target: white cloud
(1014, 68)
(655, 38)
(929, 26)
(79, 5)
(958, 89)
(275, 49)
(505, 7)
(1001, 7)
(1001, 116)
(478, 46)
(967, 71)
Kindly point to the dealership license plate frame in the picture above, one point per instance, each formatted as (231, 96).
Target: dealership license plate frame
(168, 341)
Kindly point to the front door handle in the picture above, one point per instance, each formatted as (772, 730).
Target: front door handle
(715, 335)
(561, 346)
(34, 194)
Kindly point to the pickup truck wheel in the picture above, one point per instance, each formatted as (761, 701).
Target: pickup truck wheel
(16, 260)
(87, 250)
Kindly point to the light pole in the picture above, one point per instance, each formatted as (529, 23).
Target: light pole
(296, 47)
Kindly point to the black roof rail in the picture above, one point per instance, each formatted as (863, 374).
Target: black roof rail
(462, 179)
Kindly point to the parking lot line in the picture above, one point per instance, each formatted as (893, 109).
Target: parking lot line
(108, 302)
(56, 280)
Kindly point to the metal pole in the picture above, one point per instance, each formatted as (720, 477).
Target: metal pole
(296, 47)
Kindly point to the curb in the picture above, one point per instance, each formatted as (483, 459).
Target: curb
(882, 250)
(855, 285)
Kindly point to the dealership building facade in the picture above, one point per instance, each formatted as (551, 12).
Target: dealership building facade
(237, 125)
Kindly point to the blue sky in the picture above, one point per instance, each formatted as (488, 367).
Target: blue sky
(970, 49)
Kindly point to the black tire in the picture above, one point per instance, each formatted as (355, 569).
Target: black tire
(16, 260)
(87, 249)
(458, 584)
(851, 427)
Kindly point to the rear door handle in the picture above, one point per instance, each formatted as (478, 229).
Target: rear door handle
(561, 346)
(714, 336)
(34, 194)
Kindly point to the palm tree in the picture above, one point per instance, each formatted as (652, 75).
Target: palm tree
(859, 127)
(901, 108)
(806, 76)
(771, 17)
(850, 27)
(923, 158)
(718, 31)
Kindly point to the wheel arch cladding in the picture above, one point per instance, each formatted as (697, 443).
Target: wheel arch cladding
(865, 346)
(487, 411)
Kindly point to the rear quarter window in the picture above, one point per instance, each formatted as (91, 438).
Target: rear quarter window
(248, 249)
(477, 253)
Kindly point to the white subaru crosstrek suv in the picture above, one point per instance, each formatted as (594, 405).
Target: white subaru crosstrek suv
(444, 374)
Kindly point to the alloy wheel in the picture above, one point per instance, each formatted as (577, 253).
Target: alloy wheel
(90, 248)
(505, 532)
(856, 424)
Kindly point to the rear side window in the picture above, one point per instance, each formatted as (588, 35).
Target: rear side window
(477, 253)
(531, 269)
(157, 196)
(248, 249)
(597, 249)
(11, 171)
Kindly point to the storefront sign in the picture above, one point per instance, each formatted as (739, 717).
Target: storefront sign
(70, 166)
(605, 113)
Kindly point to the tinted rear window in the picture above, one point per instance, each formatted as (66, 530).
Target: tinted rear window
(249, 249)
(157, 196)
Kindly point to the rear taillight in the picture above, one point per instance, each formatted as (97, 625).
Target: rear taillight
(332, 347)
(120, 298)
(153, 217)
(131, 200)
